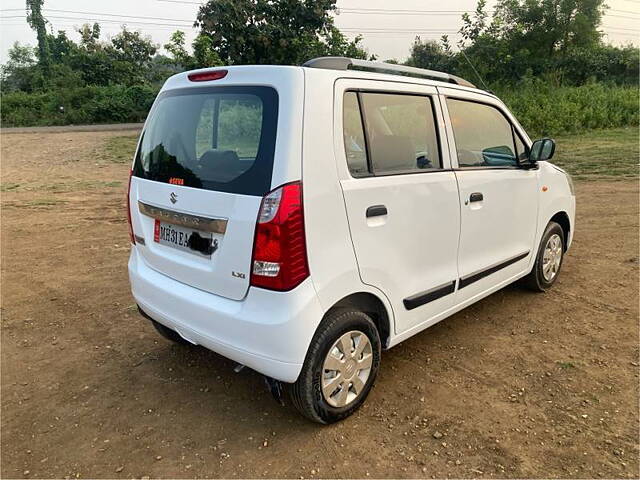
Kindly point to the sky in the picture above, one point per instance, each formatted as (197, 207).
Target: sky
(388, 27)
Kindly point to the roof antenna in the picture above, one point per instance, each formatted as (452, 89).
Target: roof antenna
(475, 71)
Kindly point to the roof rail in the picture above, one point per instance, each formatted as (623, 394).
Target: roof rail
(344, 63)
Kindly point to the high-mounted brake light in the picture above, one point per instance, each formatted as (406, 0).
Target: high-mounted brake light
(279, 251)
(131, 236)
(207, 76)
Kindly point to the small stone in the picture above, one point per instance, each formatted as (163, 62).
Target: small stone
(159, 457)
(313, 472)
(458, 462)
(265, 443)
(437, 435)
(26, 472)
(145, 477)
(119, 469)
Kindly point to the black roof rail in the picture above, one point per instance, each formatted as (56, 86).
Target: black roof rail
(344, 63)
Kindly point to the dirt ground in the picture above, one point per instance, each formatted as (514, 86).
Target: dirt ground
(518, 385)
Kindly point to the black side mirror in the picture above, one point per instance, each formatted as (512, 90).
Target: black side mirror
(542, 150)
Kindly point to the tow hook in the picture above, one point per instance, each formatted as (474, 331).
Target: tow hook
(275, 387)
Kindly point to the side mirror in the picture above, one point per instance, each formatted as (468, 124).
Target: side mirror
(542, 150)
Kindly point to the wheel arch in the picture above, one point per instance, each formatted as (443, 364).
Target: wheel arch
(562, 219)
(373, 306)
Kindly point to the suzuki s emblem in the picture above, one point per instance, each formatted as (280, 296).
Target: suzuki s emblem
(173, 197)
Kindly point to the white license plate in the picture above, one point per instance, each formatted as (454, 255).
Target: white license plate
(185, 239)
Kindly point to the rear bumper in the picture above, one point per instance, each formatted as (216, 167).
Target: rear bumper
(267, 331)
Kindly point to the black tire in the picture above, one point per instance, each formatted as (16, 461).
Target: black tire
(169, 334)
(535, 279)
(306, 393)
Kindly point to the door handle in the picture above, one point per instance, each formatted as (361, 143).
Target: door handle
(476, 197)
(376, 211)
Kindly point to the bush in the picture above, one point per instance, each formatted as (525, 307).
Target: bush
(82, 105)
(544, 109)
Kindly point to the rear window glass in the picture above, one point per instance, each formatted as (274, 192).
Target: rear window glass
(214, 138)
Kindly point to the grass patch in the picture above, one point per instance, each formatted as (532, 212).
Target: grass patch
(545, 109)
(599, 153)
(63, 187)
(119, 149)
(566, 365)
(7, 186)
(76, 186)
(42, 202)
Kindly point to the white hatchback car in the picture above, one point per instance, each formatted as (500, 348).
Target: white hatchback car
(300, 220)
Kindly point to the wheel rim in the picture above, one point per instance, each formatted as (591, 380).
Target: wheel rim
(552, 257)
(346, 368)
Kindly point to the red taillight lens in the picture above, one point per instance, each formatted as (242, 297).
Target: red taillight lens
(279, 251)
(131, 237)
(207, 76)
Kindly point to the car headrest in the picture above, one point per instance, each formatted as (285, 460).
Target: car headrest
(392, 152)
(220, 165)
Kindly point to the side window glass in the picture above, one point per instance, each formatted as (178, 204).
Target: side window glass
(401, 132)
(484, 137)
(354, 144)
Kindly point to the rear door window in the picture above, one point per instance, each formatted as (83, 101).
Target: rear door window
(354, 142)
(400, 133)
(215, 138)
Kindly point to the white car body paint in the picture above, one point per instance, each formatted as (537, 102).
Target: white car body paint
(428, 238)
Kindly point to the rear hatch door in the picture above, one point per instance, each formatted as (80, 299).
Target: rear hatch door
(204, 161)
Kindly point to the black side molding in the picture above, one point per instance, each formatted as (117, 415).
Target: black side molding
(474, 277)
(376, 211)
(420, 299)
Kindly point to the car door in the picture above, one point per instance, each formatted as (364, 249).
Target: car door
(400, 195)
(498, 196)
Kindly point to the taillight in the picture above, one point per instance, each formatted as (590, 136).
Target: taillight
(207, 76)
(131, 236)
(279, 251)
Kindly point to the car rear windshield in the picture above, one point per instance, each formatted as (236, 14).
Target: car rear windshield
(214, 138)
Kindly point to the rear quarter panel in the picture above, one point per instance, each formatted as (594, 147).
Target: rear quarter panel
(330, 251)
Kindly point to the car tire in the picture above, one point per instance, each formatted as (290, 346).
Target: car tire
(548, 259)
(169, 334)
(312, 393)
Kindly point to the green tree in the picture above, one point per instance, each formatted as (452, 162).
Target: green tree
(555, 39)
(550, 27)
(17, 73)
(177, 50)
(429, 54)
(90, 37)
(204, 55)
(285, 32)
(37, 22)
(131, 47)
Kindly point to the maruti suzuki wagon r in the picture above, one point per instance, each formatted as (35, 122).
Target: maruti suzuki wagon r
(300, 220)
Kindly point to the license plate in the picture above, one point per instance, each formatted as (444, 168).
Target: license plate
(185, 239)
